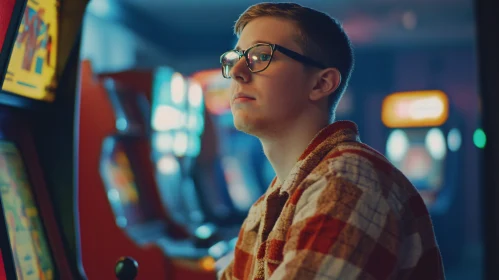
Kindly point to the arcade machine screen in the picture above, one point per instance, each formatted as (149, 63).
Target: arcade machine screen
(121, 185)
(177, 123)
(131, 109)
(32, 256)
(116, 167)
(420, 155)
(417, 144)
(32, 66)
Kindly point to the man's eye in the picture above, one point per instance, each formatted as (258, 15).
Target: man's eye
(264, 57)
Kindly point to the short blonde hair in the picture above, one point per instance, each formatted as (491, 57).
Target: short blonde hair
(320, 36)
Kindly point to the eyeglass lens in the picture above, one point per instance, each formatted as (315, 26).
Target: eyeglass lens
(257, 58)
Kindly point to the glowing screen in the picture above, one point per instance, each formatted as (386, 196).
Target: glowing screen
(120, 183)
(30, 248)
(31, 71)
(177, 111)
(420, 155)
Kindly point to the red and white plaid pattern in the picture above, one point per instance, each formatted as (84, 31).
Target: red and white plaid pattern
(344, 212)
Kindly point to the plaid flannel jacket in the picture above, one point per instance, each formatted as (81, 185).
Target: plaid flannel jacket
(344, 212)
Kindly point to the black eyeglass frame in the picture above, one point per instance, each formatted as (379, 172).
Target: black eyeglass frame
(274, 47)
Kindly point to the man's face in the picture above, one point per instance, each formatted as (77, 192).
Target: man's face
(279, 94)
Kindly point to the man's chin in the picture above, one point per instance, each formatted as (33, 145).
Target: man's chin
(246, 125)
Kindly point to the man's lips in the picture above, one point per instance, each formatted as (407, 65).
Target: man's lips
(241, 97)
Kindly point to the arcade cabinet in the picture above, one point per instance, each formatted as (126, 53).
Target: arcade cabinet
(177, 123)
(11, 12)
(119, 204)
(425, 142)
(185, 241)
(37, 242)
(187, 182)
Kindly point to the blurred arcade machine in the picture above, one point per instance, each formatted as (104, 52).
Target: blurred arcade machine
(424, 142)
(121, 213)
(186, 182)
(177, 124)
(11, 13)
(38, 240)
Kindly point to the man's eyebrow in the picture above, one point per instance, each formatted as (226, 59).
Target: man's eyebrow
(237, 48)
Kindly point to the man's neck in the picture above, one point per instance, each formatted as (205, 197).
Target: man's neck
(285, 148)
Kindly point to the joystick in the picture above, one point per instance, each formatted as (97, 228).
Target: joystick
(126, 268)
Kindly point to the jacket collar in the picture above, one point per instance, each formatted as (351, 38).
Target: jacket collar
(324, 141)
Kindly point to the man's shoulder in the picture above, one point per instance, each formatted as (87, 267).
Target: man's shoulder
(353, 159)
(367, 170)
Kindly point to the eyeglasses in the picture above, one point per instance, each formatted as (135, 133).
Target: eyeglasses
(259, 56)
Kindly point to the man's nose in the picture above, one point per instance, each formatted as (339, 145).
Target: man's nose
(240, 71)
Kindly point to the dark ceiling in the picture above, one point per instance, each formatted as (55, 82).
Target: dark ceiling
(203, 28)
(368, 22)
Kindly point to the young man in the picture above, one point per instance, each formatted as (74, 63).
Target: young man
(337, 209)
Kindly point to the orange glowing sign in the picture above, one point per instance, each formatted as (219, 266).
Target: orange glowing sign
(415, 109)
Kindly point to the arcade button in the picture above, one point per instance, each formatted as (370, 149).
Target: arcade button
(126, 268)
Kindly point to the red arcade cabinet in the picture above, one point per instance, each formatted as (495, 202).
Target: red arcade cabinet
(120, 211)
(10, 18)
(37, 241)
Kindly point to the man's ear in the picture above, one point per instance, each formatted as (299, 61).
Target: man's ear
(326, 82)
